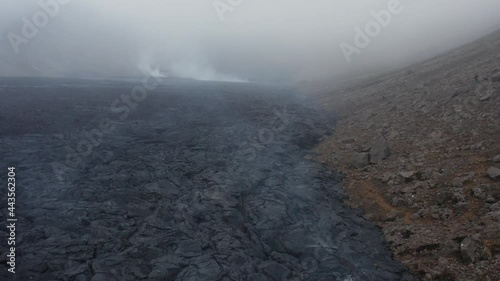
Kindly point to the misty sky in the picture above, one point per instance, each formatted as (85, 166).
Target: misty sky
(256, 40)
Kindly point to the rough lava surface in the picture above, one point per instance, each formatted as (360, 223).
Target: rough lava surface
(201, 181)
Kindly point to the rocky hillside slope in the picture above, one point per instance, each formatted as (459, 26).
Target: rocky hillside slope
(420, 152)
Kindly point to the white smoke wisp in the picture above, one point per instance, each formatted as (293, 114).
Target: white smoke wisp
(145, 66)
(260, 40)
(197, 71)
(192, 65)
(155, 72)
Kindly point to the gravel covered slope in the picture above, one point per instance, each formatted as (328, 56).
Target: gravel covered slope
(419, 150)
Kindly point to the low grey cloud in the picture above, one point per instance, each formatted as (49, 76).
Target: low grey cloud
(232, 40)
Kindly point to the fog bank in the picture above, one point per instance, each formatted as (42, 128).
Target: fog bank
(232, 40)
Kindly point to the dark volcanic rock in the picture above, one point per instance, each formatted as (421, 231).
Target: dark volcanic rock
(494, 173)
(473, 250)
(380, 150)
(201, 181)
(360, 160)
(276, 271)
(103, 277)
(495, 77)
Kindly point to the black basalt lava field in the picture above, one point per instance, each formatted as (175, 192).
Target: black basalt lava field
(188, 181)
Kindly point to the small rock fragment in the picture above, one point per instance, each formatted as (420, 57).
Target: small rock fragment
(496, 158)
(443, 261)
(379, 151)
(386, 177)
(458, 182)
(479, 193)
(469, 250)
(449, 248)
(391, 216)
(490, 199)
(409, 175)
(494, 173)
(360, 160)
(473, 250)
(495, 77)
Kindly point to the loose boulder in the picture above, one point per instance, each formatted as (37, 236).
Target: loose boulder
(494, 173)
(469, 248)
(496, 158)
(360, 160)
(379, 151)
(495, 77)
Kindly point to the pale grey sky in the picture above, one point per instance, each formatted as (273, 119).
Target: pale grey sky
(256, 40)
